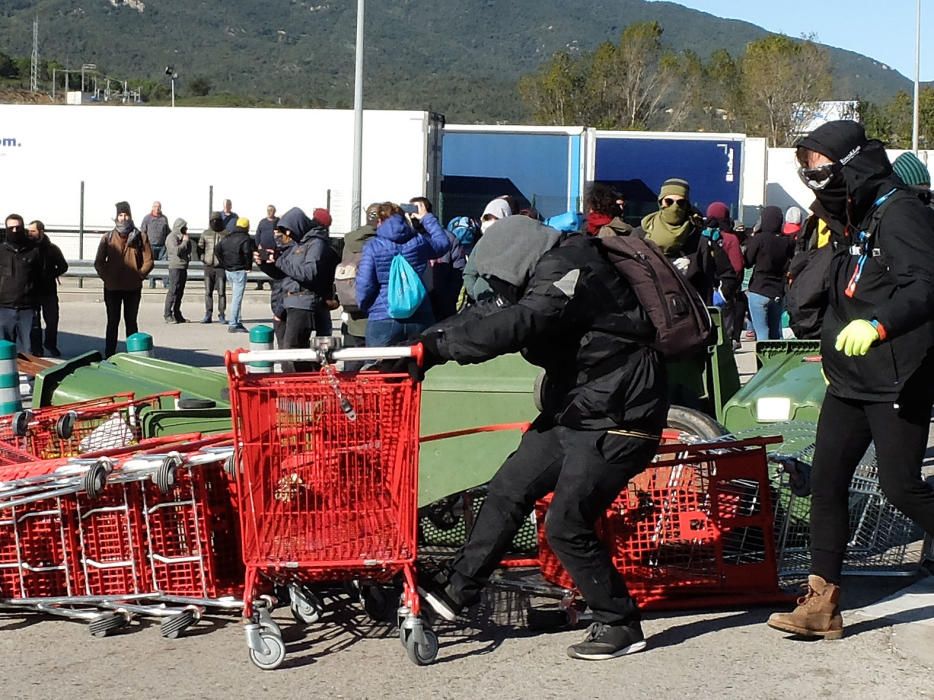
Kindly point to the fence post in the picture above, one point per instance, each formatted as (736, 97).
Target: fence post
(210, 201)
(81, 233)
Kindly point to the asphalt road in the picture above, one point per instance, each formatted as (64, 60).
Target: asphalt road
(730, 654)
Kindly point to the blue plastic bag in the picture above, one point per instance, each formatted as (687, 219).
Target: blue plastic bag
(405, 291)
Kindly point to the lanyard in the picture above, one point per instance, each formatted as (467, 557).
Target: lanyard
(864, 251)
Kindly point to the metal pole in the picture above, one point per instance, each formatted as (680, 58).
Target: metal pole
(916, 116)
(53, 84)
(210, 201)
(173, 90)
(81, 232)
(358, 123)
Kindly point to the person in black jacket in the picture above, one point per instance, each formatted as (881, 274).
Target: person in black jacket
(20, 272)
(768, 253)
(308, 265)
(234, 254)
(604, 406)
(54, 266)
(876, 341)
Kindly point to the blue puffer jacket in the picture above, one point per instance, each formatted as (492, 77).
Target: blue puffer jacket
(395, 237)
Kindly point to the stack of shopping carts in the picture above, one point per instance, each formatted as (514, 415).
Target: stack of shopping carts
(99, 525)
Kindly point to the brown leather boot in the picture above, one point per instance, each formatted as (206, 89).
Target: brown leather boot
(817, 614)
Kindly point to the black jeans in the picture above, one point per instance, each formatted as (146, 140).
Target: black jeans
(215, 278)
(113, 300)
(352, 341)
(299, 323)
(844, 431)
(47, 311)
(586, 469)
(173, 297)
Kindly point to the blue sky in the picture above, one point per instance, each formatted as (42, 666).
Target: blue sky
(884, 31)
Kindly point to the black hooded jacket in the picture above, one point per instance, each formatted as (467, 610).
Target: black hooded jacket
(579, 320)
(308, 264)
(896, 284)
(769, 253)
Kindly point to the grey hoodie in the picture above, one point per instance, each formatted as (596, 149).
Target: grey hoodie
(177, 252)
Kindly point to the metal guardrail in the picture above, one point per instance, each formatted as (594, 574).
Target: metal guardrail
(84, 269)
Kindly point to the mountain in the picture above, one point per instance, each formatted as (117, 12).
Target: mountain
(458, 57)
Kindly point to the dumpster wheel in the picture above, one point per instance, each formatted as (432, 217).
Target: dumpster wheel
(693, 425)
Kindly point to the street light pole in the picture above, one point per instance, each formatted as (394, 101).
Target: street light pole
(356, 195)
(916, 115)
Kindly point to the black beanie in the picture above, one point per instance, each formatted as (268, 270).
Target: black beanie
(124, 208)
(772, 220)
(837, 140)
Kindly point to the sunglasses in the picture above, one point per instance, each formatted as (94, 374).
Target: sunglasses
(819, 177)
(672, 202)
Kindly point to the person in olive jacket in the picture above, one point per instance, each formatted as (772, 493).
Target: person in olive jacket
(877, 338)
(123, 261)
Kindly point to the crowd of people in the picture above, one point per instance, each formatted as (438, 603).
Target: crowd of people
(857, 272)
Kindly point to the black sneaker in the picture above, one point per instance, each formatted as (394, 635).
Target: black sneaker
(609, 641)
(433, 588)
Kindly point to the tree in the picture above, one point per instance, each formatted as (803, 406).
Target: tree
(783, 83)
(7, 67)
(646, 74)
(199, 86)
(554, 92)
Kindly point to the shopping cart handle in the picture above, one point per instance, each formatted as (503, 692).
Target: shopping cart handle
(315, 355)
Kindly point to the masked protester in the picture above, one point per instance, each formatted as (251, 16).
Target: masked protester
(123, 261)
(604, 400)
(21, 263)
(214, 276)
(677, 229)
(876, 340)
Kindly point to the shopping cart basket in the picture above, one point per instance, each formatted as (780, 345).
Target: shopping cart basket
(694, 529)
(327, 481)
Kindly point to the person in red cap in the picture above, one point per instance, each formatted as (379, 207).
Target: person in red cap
(308, 265)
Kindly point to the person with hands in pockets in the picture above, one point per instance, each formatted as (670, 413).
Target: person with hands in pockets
(877, 335)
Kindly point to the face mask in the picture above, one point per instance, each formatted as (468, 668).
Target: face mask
(674, 215)
(16, 234)
(125, 227)
(484, 225)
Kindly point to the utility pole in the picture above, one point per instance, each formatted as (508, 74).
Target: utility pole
(34, 63)
(916, 115)
(356, 196)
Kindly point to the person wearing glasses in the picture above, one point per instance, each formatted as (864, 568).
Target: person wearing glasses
(677, 228)
(877, 334)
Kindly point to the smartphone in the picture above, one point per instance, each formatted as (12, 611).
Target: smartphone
(409, 208)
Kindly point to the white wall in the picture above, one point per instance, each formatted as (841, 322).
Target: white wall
(286, 157)
(783, 186)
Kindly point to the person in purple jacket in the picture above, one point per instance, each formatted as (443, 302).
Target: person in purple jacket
(395, 235)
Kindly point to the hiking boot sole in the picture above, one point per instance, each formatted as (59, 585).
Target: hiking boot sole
(804, 632)
(633, 648)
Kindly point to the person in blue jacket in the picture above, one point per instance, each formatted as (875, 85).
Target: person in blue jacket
(395, 235)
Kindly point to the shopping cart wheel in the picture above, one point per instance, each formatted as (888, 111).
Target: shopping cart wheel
(271, 657)
(65, 425)
(164, 477)
(107, 623)
(264, 620)
(425, 653)
(230, 466)
(95, 479)
(20, 422)
(306, 607)
(171, 627)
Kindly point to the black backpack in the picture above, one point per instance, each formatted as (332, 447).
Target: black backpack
(682, 322)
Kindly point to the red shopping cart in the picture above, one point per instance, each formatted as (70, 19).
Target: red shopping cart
(64, 431)
(327, 481)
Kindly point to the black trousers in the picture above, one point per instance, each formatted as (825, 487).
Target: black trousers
(176, 290)
(215, 278)
(352, 341)
(844, 431)
(278, 327)
(740, 309)
(586, 469)
(299, 324)
(113, 301)
(47, 311)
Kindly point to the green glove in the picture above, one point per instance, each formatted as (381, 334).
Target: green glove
(856, 338)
